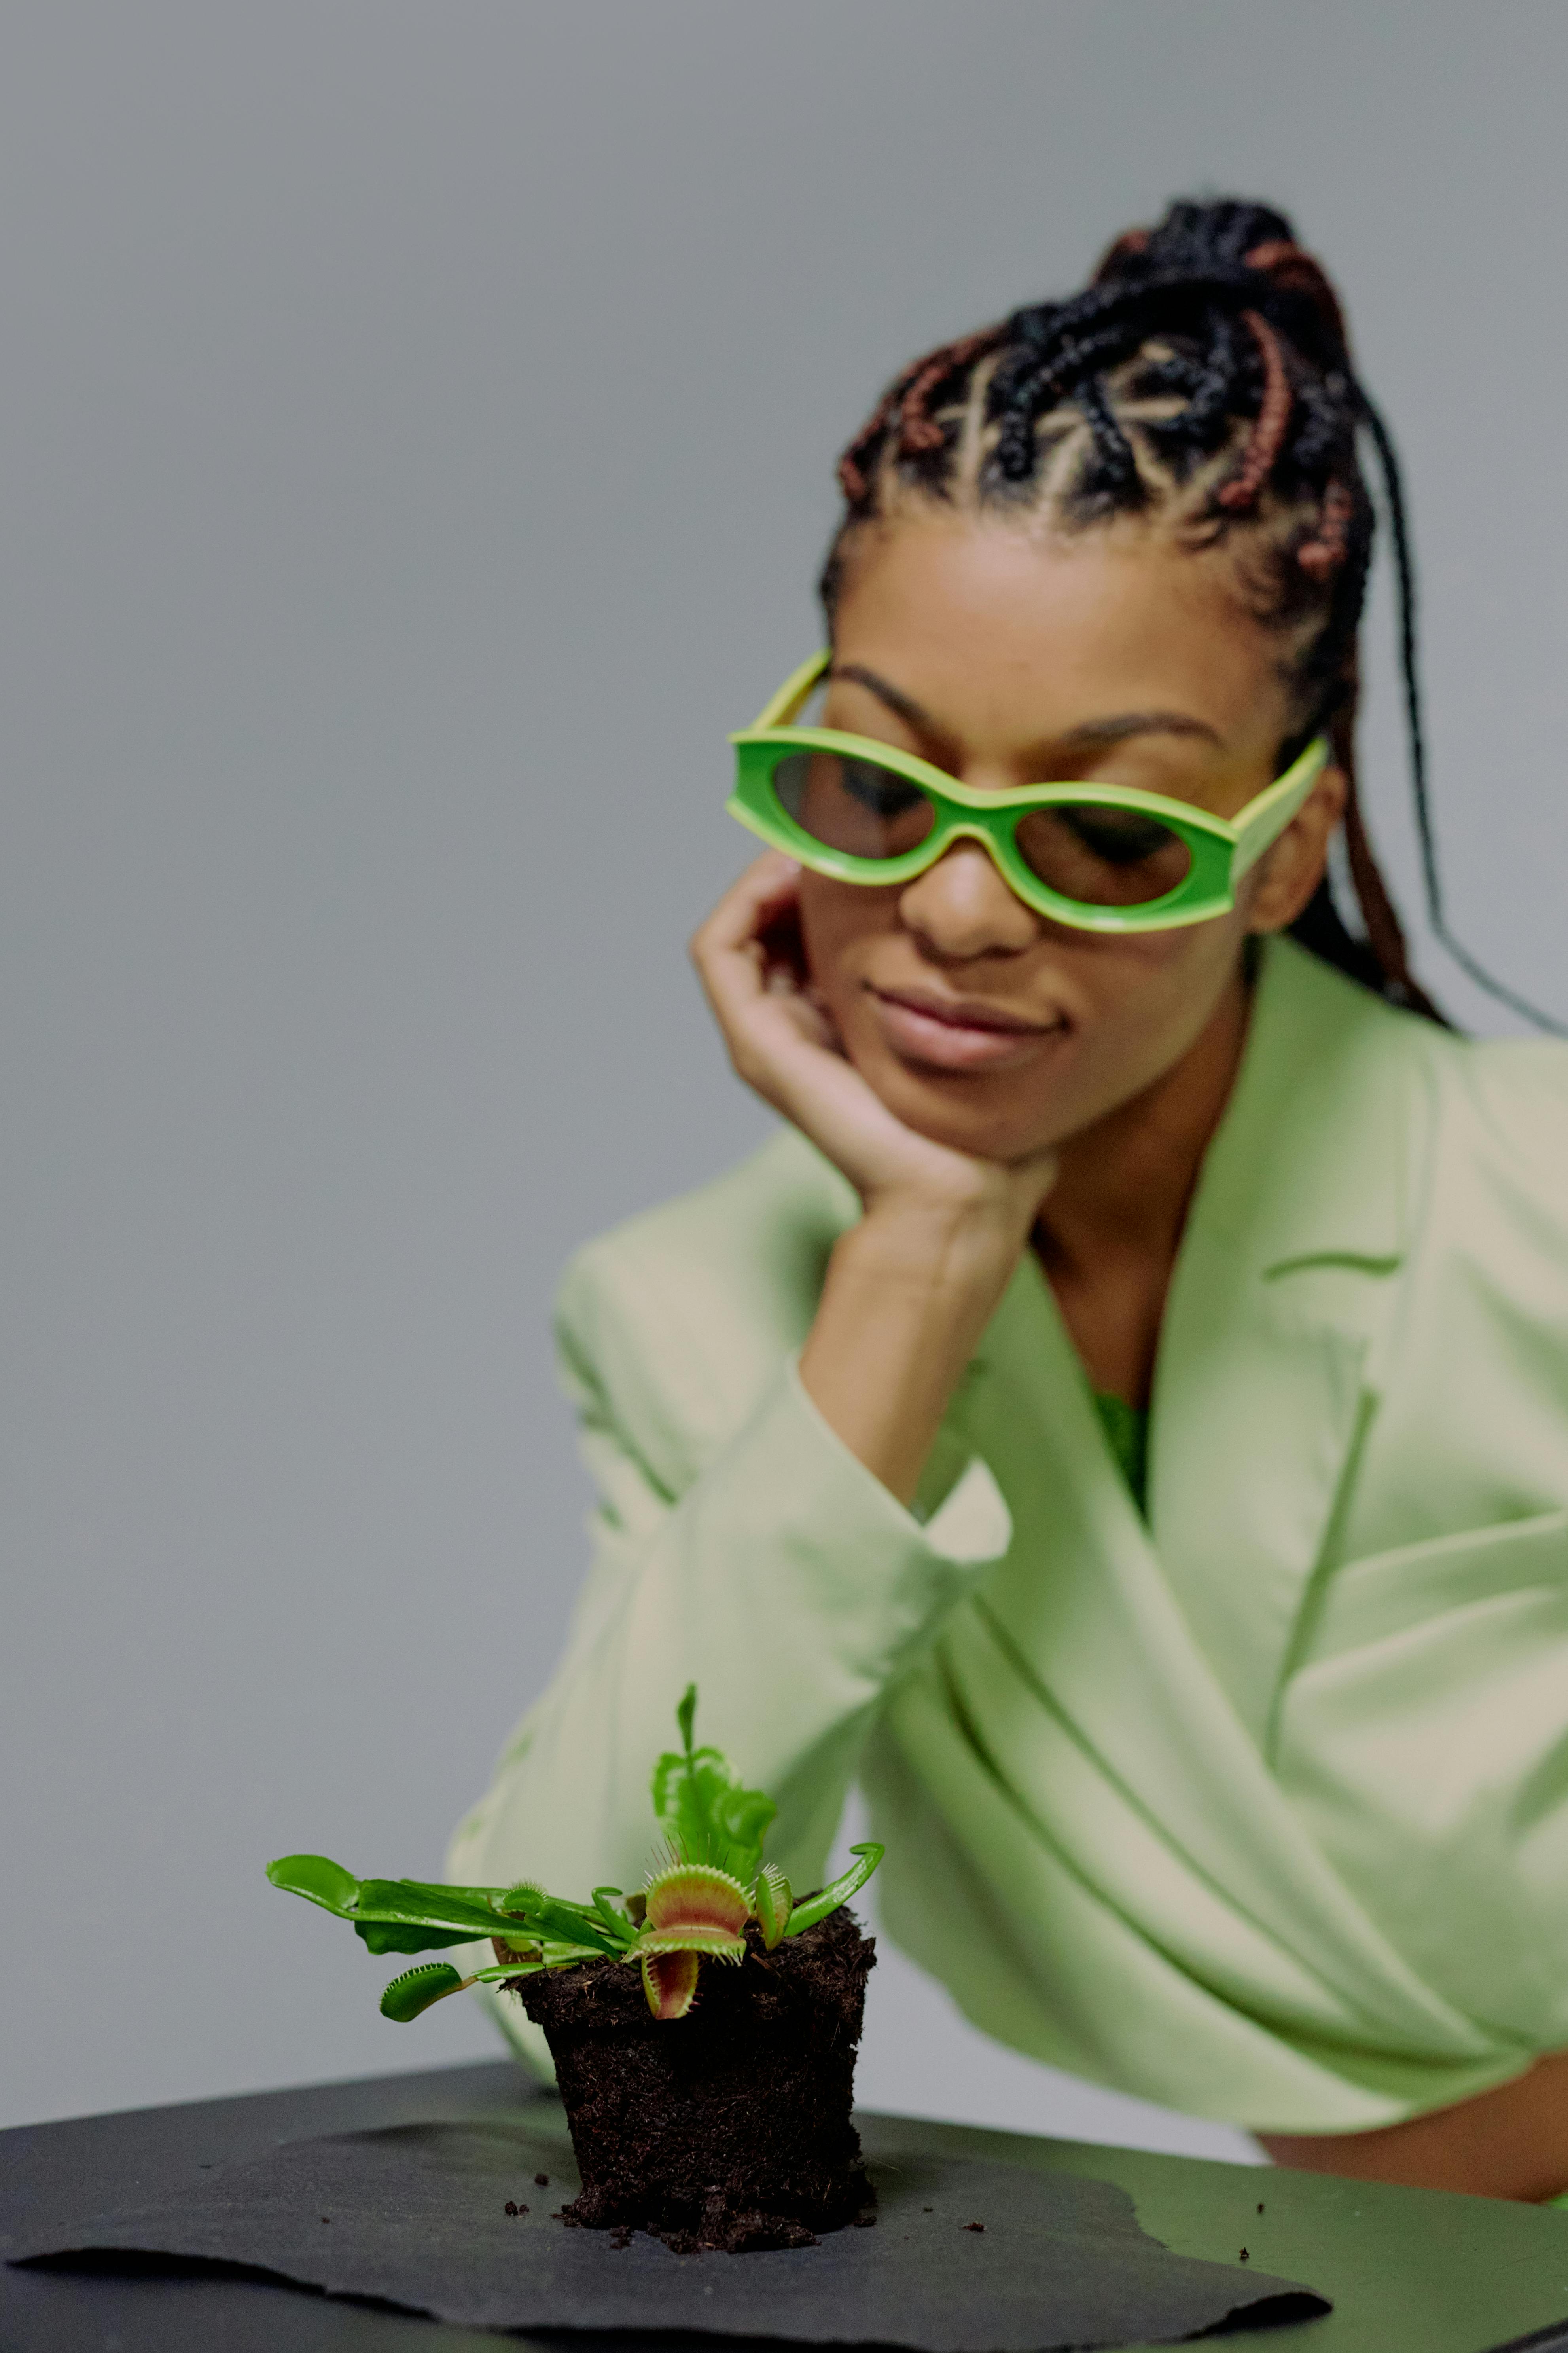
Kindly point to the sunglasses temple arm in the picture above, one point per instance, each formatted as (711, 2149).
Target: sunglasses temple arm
(793, 694)
(1271, 812)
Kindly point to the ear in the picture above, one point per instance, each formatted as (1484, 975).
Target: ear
(1291, 869)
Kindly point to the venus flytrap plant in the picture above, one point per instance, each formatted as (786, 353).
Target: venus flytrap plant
(774, 1904)
(696, 1906)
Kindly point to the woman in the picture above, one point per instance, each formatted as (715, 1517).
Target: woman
(1120, 1420)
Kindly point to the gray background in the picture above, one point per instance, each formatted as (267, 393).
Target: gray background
(416, 429)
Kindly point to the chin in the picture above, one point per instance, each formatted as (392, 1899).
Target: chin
(970, 1114)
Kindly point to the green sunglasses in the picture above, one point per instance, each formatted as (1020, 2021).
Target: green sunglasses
(1105, 857)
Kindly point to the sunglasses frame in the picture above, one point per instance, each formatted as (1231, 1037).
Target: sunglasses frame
(1222, 850)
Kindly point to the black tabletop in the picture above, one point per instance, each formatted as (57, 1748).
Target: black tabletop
(1410, 2271)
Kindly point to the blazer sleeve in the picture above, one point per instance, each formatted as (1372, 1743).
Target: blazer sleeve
(758, 1560)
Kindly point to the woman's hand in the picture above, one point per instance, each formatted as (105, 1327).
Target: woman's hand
(782, 1045)
(909, 1289)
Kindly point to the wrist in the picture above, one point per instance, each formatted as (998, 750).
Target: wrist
(943, 1244)
(939, 1250)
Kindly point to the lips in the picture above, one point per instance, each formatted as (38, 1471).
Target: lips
(964, 1012)
(959, 1033)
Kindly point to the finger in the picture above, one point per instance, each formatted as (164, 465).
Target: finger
(768, 886)
(732, 952)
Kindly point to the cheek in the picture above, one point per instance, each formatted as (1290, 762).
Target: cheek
(1152, 998)
(1165, 978)
(838, 924)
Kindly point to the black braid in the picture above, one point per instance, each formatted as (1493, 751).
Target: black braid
(1206, 365)
(1410, 673)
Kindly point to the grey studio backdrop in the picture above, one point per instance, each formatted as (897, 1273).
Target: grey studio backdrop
(416, 431)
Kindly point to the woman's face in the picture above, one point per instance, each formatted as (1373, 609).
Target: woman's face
(1010, 659)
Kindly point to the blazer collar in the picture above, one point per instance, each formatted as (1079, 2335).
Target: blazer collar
(1309, 1160)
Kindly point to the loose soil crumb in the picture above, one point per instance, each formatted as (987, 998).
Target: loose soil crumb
(974, 2226)
(727, 2129)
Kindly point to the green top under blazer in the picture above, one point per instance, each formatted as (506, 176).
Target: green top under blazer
(1258, 1808)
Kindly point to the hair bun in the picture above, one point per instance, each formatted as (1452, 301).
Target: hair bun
(1196, 240)
(1227, 246)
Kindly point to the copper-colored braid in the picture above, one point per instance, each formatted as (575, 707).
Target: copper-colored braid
(905, 398)
(1272, 421)
(1326, 548)
(917, 429)
(1299, 273)
(853, 479)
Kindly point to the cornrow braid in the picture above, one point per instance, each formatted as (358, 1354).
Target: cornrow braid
(907, 400)
(1204, 371)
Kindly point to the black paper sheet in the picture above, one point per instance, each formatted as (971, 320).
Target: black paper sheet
(416, 2215)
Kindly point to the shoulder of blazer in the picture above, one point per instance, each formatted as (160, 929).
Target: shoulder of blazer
(1349, 1117)
(1381, 1137)
(671, 1327)
(1497, 1199)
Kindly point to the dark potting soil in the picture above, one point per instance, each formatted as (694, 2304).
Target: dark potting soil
(728, 2127)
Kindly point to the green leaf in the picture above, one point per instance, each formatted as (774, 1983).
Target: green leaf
(480, 1899)
(394, 1937)
(419, 1915)
(620, 1923)
(807, 1915)
(415, 1990)
(555, 1955)
(571, 1924)
(701, 1807)
(318, 1879)
(412, 1903)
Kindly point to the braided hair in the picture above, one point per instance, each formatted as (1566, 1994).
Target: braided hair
(1204, 374)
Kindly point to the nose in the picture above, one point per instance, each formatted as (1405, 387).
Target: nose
(961, 908)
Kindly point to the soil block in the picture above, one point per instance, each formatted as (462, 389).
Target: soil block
(728, 2127)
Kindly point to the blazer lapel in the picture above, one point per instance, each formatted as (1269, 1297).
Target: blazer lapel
(1074, 1672)
(1281, 1287)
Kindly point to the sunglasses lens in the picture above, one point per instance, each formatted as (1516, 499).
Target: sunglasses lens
(853, 804)
(1102, 857)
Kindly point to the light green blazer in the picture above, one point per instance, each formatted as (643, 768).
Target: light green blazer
(1259, 1809)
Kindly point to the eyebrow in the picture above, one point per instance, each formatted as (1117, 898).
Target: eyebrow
(1093, 733)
